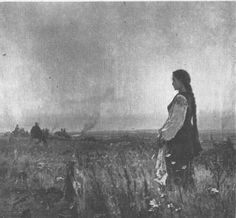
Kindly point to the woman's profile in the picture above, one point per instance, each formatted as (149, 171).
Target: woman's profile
(179, 134)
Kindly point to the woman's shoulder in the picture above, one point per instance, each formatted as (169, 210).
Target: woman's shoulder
(180, 99)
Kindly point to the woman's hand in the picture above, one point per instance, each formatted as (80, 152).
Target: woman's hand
(159, 134)
(160, 138)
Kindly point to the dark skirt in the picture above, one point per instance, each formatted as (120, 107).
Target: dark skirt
(180, 176)
(179, 158)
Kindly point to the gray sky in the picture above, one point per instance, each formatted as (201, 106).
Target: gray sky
(61, 60)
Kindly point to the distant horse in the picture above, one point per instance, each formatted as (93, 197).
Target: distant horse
(37, 133)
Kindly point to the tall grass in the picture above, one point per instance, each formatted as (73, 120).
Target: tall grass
(110, 178)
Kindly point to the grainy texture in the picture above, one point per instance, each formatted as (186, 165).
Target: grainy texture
(64, 62)
(113, 176)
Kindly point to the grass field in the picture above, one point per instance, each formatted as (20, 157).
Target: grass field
(110, 175)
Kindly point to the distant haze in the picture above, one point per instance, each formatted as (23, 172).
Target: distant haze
(62, 64)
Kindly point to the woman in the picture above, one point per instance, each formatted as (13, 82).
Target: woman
(180, 133)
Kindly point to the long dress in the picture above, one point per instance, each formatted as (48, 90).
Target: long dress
(178, 132)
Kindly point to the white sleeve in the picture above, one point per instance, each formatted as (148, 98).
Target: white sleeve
(176, 119)
(160, 129)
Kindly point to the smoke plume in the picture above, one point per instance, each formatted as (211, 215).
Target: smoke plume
(91, 122)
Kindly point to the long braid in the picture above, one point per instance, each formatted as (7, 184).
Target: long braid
(194, 106)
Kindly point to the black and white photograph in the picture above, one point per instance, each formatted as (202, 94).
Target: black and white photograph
(112, 109)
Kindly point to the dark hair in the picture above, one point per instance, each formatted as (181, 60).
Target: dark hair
(185, 78)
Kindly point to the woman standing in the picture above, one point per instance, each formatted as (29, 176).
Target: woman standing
(180, 133)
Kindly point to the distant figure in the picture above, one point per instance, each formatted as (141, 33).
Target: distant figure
(179, 134)
(45, 133)
(37, 133)
(62, 133)
(16, 130)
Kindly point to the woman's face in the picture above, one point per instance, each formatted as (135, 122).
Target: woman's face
(177, 84)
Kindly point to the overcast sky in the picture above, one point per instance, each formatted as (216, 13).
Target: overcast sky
(114, 59)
